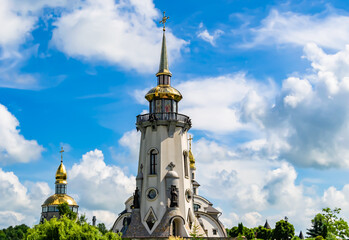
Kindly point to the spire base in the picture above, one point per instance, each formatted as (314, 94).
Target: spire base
(164, 72)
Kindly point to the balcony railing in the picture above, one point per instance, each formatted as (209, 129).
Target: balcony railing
(163, 116)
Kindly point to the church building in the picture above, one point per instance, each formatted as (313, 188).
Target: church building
(166, 201)
(50, 206)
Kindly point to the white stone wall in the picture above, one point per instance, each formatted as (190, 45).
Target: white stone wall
(170, 149)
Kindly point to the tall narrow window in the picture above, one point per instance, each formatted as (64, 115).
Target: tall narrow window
(152, 162)
(174, 106)
(158, 107)
(152, 106)
(185, 154)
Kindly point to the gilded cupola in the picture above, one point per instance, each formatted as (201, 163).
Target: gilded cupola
(191, 156)
(61, 173)
(50, 206)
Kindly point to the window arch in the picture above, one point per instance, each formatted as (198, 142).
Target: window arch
(153, 158)
(186, 169)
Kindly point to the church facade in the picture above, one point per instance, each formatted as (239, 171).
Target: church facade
(50, 206)
(166, 200)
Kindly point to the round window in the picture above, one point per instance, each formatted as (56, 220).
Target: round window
(188, 195)
(152, 193)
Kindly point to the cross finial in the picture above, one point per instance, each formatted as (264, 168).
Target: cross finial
(190, 139)
(171, 166)
(164, 19)
(62, 151)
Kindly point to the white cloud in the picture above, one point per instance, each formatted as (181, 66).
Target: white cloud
(211, 38)
(102, 216)
(100, 186)
(123, 33)
(99, 189)
(251, 190)
(331, 31)
(17, 20)
(252, 219)
(297, 90)
(16, 27)
(131, 140)
(214, 106)
(19, 203)
(310, 117)
(13, 146)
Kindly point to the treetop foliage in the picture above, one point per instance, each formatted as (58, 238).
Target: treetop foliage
(66, 228)
(14, 233)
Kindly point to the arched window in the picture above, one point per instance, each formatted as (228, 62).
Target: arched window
(196, 207)
(153, 162)
(186, 172)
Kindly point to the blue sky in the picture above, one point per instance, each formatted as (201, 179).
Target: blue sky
(265, 82)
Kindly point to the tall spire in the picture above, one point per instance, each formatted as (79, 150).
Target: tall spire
(163, 67)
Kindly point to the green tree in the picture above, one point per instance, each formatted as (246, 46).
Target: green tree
(233, 232)
(64, 209)
(101, 227)
(319, 226)
(335, 226)
(195, 232)
(14, 233)
(283, 230)
(240, 231)
(263, 233)
(2, 235)
(82, 219)
(66, 228)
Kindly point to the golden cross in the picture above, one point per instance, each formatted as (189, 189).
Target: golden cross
(163, 21)
(190, 138)
(62, 151)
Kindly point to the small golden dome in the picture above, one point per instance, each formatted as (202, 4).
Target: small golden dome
(57, 199)
(163, 91)
(61, 174)
(192, 160)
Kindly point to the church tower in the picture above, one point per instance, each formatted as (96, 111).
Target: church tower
(163, 202)
(50, 206)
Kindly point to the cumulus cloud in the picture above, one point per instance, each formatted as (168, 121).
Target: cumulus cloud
(17, 20)
(16, 27)
(100, 188)
(117, 33)
(13, 146)
(296, 91)
(309, 119)
(215, 105)
(131, 141)
(331, 31)
(251, 190)
(102, 216)
(123, 33)
(20, 203)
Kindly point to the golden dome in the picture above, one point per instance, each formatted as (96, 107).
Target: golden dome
(57, 199)
(163, 91)
(61, 174)
(192, 160)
